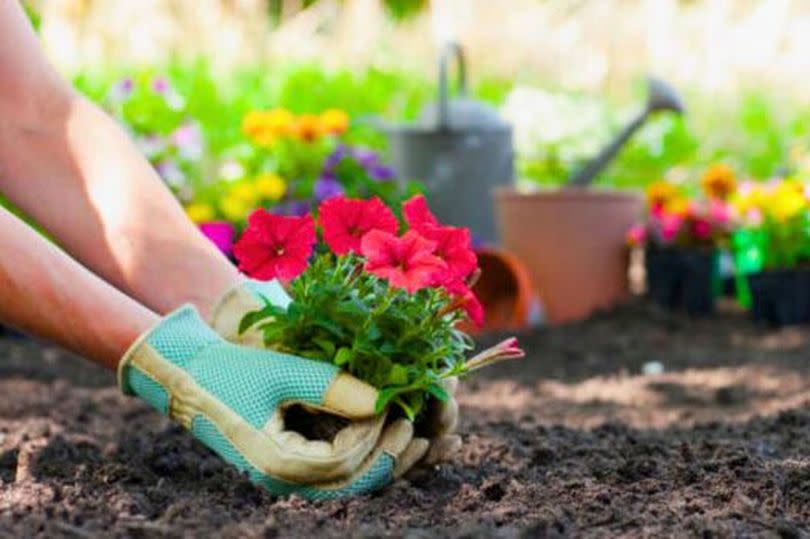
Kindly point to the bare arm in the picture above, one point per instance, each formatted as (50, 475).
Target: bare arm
(46, 293)
(72, 169)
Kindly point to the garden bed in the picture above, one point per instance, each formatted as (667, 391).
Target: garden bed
(573, 440)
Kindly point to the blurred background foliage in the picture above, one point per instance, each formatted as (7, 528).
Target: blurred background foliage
(566, 73)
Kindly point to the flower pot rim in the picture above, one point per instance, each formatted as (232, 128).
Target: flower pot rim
(569, 194)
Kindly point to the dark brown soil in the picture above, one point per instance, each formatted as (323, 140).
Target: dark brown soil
(573, 441)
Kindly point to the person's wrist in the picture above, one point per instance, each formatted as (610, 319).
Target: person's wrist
(246, 296)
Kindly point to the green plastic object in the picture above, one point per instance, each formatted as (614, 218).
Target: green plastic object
(749, 257)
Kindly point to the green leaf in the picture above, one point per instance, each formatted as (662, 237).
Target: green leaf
(439, 392)
(254, 317)
(343, 356)
(398, 375)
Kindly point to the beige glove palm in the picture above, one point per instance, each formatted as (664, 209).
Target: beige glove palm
(437, 439)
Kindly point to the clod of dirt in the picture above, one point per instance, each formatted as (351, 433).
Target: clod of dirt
(312, 424)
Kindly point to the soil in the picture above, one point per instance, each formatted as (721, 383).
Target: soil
(575, 440)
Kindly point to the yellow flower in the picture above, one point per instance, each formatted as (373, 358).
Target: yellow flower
(677, 205)
(660, 192)
(719, 182)
(270, 186)
(785, 202)
(264, 127)
(751, 197)
(307, 128)
(245, 192)
(279, 121)
(200, 212)
(334, 121)
(234, 209)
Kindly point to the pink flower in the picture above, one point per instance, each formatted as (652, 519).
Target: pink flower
(345, 221)
(275, 246)
(407, 262)
(466, 299)
(719, 212)
(508, 349)
(417, 213)
(670, 226)
(637, 235)
(702, 228)
(753, 217)
(453, 244)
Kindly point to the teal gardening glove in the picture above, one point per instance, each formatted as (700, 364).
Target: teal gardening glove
(233, 399)
(440, 420)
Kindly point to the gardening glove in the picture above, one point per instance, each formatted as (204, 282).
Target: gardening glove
(441, 418)
(233, 400)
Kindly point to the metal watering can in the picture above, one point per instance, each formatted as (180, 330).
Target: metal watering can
(460, 149)
(661, 97)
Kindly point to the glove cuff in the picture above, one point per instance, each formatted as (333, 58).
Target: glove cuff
(177, 338)
(243, 298)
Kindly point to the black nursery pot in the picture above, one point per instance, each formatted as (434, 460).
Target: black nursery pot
(684, 278)
(780, 297)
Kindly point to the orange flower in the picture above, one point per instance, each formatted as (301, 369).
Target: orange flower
(307, 128)
(660, 192)
(264, 127)
(719, 182)
(679, 206)
(334, 121)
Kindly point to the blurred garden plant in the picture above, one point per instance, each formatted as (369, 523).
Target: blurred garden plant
(380, 299)
(156, 116)
(674, 219)
(774, 225)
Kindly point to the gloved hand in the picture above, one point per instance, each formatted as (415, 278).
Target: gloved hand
(441, 418)
(233, 400)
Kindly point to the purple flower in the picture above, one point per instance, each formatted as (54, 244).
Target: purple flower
(188, 140)
(327, 187)
(297, 208)
(121, 90)
(368, 159)
(160, 85)
(171, 173)
(334, 158)
(151, 145)
(381, 173)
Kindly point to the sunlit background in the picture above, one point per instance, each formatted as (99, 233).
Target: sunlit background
(564, 71)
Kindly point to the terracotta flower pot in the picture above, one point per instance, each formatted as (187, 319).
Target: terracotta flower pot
(573, 243)
(505, 291)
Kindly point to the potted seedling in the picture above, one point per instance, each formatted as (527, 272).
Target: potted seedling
(682, 238)
(573, 239)
(380, 299)
(772, 249)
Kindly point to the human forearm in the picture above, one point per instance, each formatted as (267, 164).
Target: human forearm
(74, 170)
(46, 293)
(81, 178)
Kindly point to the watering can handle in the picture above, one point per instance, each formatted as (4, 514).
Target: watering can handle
(450, 49)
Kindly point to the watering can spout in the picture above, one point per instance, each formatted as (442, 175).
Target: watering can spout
(661, 97)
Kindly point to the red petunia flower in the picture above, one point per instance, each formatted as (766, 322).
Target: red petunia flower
(275, 246)
(466, 299)
(417, 213)
(407, 262)
(346, 220)
(453, 244)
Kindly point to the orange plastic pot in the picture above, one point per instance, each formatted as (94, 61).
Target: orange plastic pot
(573, 243)
(505, 290)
